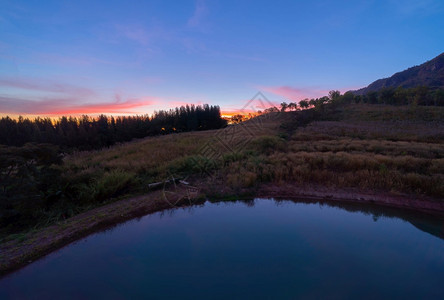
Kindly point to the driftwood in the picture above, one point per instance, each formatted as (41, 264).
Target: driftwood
(169, 181)
(155, 184)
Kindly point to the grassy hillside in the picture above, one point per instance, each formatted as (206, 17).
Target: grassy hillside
(398, 149)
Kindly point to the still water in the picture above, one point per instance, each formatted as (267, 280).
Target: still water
(256, 249)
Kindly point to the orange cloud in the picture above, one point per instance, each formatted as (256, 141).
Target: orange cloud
(174, 104)
(62, 99)
(64, 106)
(116, 107)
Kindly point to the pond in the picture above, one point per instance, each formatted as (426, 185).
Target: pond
(254, 249)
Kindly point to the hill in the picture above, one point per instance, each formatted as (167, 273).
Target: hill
(430, 74)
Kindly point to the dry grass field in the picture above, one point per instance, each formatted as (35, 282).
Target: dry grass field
(370, 147)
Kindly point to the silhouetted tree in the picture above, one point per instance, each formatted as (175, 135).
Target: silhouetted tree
(89, 133)
(333, 95)
(284, 106)
(304, 104)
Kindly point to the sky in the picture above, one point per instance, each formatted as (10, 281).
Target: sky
(136, 57)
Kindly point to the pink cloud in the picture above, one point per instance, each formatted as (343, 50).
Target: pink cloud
(65, 107)
(297, 94)
(174, 104)
(45, 86)
(12, 105)
(63, 99)
(115, 107)
(152, 80)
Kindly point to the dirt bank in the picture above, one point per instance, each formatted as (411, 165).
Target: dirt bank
(411, 202)
(20, 252)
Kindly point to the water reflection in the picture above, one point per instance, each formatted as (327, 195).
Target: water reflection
(248, 249)
(430, 223)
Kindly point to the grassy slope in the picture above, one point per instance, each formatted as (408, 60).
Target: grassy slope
(387, 148)
(392, 149)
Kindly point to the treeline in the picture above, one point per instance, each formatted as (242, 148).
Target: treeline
(92, 133)
(420, 95)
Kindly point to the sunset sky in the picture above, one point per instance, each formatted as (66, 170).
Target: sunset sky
(134, 57)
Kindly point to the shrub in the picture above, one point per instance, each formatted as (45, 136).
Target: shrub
(112, 184)
(192, 164)
(268, 144)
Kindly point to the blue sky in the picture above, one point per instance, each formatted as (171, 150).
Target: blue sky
(124, 57)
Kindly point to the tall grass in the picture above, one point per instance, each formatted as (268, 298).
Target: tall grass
(367, 146)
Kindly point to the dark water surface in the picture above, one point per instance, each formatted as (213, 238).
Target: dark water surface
(261, 249)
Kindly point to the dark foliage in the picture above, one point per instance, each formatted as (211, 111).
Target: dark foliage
(92, 133)
(421, 95)
(29, 182)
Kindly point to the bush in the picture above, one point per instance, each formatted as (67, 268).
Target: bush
(113, 184)
(268, 144)
(192, 164)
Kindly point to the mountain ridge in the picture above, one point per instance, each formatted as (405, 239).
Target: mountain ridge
(430, 73)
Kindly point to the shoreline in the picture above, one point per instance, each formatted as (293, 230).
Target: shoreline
(16, 254)
(415, 203)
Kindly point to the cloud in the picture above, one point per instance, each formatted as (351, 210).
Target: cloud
(146, 36)
(152, 80)
(62, 99)
(200, 11)
(58, 59)
(414, 7)
(295, 94)
(119, 107)
(174, 104)
(11, 105)
(45, 86)
(134, 33)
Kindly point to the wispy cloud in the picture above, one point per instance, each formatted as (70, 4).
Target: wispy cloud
(152, 79)
(45, 86)
(77, 60)
(134, 33)
(295, 93)
(299, 93)
(414, 7)
(143, 35)
(200, 11)
(11, 105)
(62, 99)
(120, 107)
(174, 104)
